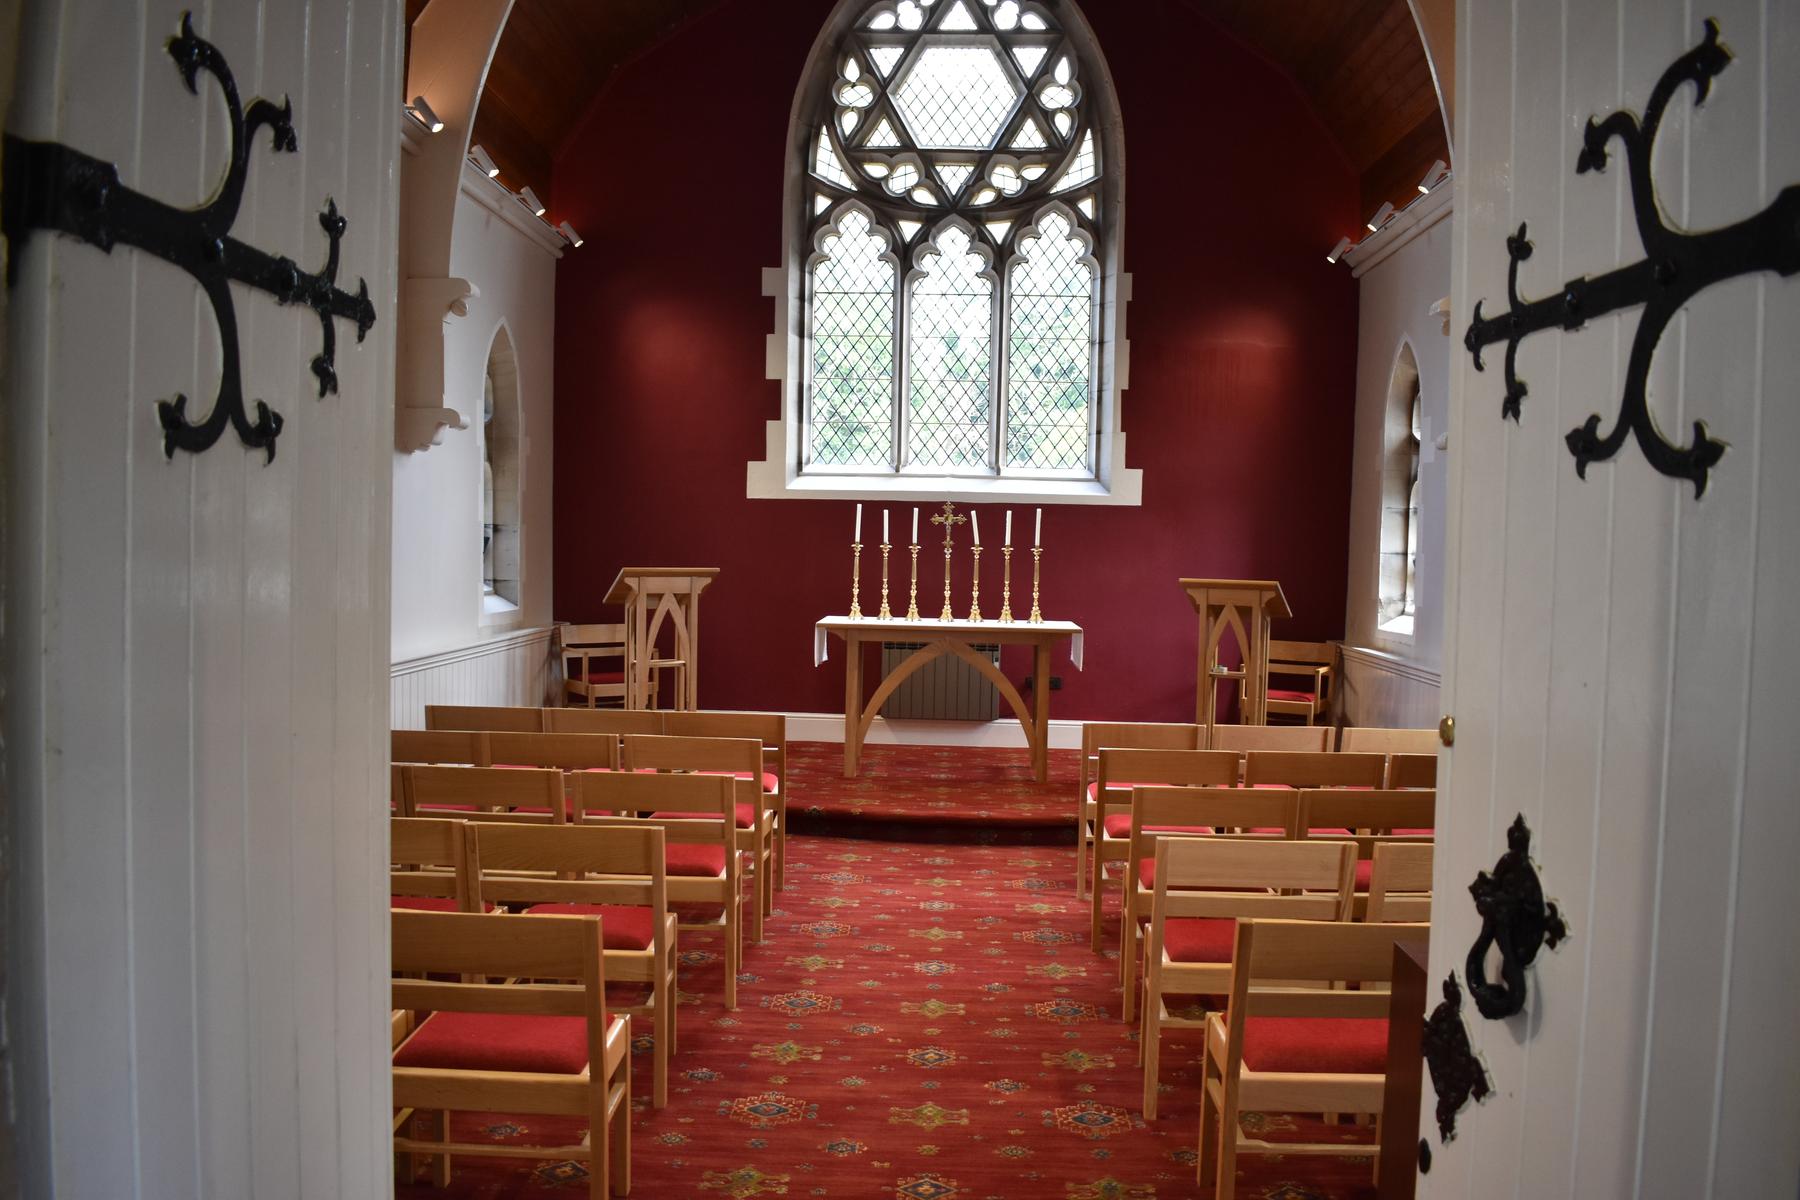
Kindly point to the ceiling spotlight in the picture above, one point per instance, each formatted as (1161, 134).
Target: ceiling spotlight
(421, 112)
(480, 158)
(1337, 251)
(1380, 218)
(530, 200)
(568, 231)
(1433, 177)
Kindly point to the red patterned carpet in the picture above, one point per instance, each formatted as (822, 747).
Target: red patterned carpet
(925, 1022)
(920, 787)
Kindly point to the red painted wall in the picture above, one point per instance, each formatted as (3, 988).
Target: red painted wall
(1243, 354)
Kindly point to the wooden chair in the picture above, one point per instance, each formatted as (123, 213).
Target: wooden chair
(616, 721)
(438, 746)
(1412, 771)
(1400, 883)
(1271, 768)
(1281, 1047)
(542, 1047)
(428, 866)
(492, 718)
(1158, 812)
(1369, 818)
(740, 759)
(522, 795)
(1365, 739)
(615, 873)
(1202, 886)
(771, 730)
(700, 851)
(1313, 663)
(585, 652)
(1315, 739)
(564, 751)
(1122, 735)
(1121, 770)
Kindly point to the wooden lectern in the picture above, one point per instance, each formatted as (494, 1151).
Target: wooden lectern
(1244, 606)
(652, 595)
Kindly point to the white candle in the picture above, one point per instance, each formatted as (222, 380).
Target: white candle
(1007, 540)
(857, 536)
(1037, 535)
(915, 540)
(884, 527)
(975, 524)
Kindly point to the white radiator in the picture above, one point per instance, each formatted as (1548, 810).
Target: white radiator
(944, 689)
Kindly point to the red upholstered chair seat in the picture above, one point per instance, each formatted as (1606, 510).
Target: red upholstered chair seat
(597, 676)
(1291, 694)
(1116, 786)
(1365, 869)
(1329, 1045)
(459, 1041)
(1118, 825)
(771, 783)
(695, 859)
(430, 904)
(1200, 939)
(746, 815)
(624, 926)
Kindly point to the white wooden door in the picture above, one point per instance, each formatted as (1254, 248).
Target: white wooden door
(1622, 657)
(197, 646)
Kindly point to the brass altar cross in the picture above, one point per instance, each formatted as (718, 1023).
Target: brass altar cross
(948, 518)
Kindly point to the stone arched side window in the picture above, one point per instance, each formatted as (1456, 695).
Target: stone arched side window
(958, 207)
(1399, 541)
(501, 482)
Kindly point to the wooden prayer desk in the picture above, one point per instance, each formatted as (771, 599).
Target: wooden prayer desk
(652, 595)
(940, 638)
(1244, 606)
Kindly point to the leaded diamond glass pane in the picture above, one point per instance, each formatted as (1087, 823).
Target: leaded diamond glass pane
(826, 165)
(884, 57)
(1050, 350)
(949, 358)
(956, 97)
(1083, 169)
(853, 349)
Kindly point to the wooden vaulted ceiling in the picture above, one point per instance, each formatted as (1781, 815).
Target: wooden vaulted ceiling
(1363, 66)
(1360, 62)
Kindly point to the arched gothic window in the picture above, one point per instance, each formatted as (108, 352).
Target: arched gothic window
(1399, 546)
(957, 210)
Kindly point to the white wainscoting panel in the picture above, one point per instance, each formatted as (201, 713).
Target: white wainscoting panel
(1385, 692)
(512, 670)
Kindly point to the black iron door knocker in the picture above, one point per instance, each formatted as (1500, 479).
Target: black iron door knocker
(1516, 920)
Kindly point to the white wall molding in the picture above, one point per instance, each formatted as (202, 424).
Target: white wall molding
(1393, 664)
(1407, 224)
(512, 669)
(443, 658)
(505, 203)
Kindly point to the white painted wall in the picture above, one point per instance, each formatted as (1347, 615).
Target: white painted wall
(437, 493)
(196, 647)
(1620, 656)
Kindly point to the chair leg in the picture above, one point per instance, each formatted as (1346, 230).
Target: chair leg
(1226, 1186)
(734, 947)
(662, 1029)
(599, 1143)
(781, 839)
(1096, 895)
(438, 1123)
(1209, 1124)
(619, 1134)
(1128, 952)
(1150, 1036)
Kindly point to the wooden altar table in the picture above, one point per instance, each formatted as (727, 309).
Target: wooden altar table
(652, 595)
(940, 638)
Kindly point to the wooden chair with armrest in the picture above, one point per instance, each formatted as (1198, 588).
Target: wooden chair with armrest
(547, 1047)
(1122, 735)
(1203, 885)
(1308, 667)
(740, 760)
(1289, 1041)
(1118, 772)
(771, 730)
(593, 663)
(700, 850)
(617, 873)
(489, 717)
(1159, 812)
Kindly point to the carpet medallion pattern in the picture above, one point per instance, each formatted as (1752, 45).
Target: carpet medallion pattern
(925, 1022)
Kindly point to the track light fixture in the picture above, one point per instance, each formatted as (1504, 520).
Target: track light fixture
(568, 231)
(1337, 251)
(1381, 217)
(421, 112)
(480, 158)
(1433, 177)
(530, 200)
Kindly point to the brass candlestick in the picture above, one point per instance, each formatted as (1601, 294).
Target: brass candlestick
(886, 614)
(856, 581)
(949, 519)
(975, 588)
(1037, 562)
(912, 599)
(1006, 584)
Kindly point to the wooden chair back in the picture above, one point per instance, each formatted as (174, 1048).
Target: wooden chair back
(527, 796)
(1120, 769)
(429, 858)
(602, 796)
(1142, 735)
(1400, 883)
(768, 728)
(616, 721)
(1161, 808)
(1412, 770)
(1272, 955)
(1246, 877)
(1308, 654)
(481, 946)
(1314, 739)
(492, 718)
(1314, 770)
(1330, 811)
(577, 865)
(438, 746)
(1365, 739)
(672, 753)
(564, 751)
